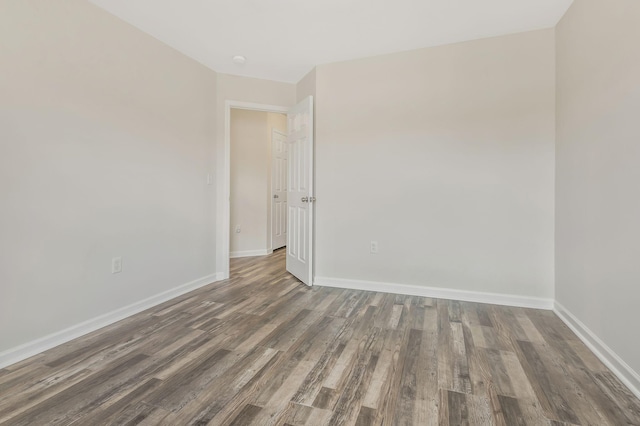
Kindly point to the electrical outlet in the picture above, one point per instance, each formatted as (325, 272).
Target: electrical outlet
(238, 229)
(374, 247)
(116, 265)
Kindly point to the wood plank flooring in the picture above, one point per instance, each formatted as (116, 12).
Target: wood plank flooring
(263, 349)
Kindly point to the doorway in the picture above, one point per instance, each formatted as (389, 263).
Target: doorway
(223, 184)
(258, 182)
(300, 188)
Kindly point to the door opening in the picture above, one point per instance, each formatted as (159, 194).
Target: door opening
(258, 190)
(300, 191)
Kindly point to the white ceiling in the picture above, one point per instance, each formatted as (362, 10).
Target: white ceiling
(284, 39)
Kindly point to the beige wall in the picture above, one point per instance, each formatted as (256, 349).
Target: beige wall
(239, 89)
(445, 157)
(306, 86)
(106, 138)
(598, 177)
(251, 178)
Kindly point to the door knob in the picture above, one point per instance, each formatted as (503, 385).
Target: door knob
(276, 196)
(305, 199)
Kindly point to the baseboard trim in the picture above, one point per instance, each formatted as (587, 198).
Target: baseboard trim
(438, 293)
(29, 349)
(621, 369)
(249, 253)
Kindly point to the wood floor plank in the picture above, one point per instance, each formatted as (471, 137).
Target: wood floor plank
(480, 375)
(246, 415)
(177, 390)
(366, 416)
(512, 411)
(240, 382)
(331, 348)
(551, 398)
(408, 391)
(345, 410)
(425, 410)
(261, 348)
(310, 350)
(122, 407)
(458, 409)
(86, 395)
(499, 373)
(18, 402)
(384, 370)
(619, 395)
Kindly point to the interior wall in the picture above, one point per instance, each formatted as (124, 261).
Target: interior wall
(106, 139)
(306, 86)
(597, 156)
(251, 179)
(239, 89)
(445, 157)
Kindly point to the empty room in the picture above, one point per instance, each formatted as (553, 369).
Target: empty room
(339, 212)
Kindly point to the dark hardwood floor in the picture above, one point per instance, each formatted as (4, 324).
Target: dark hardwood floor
(263, 349)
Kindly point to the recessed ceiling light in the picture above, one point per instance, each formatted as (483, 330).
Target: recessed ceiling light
(239, 59)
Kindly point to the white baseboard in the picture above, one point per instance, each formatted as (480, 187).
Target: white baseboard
(29, 349)
(250, 253)
(621, 369)
(438, 293)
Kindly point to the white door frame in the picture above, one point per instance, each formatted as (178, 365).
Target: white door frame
(223, 186)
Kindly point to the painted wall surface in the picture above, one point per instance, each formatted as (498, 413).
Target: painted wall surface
(240, 89)
(445, 157)
(251, 178)
(306, 86)
(106, 138)
(598, 178)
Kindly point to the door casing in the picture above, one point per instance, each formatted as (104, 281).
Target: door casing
(223, 184)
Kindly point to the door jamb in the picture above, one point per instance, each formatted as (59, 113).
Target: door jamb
(223, 186)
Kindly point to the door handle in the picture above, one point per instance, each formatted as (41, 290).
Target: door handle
(276, 196)
(305, 199)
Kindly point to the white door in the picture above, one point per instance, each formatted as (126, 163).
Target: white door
(300, 191)
(279, 150)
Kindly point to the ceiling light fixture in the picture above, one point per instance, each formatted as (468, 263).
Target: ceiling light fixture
(239, 59)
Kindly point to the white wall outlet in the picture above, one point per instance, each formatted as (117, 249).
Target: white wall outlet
(116, 265)
(238, 229)
(374, 247)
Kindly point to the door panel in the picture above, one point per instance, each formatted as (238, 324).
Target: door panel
(300, 191)
(279, 153)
